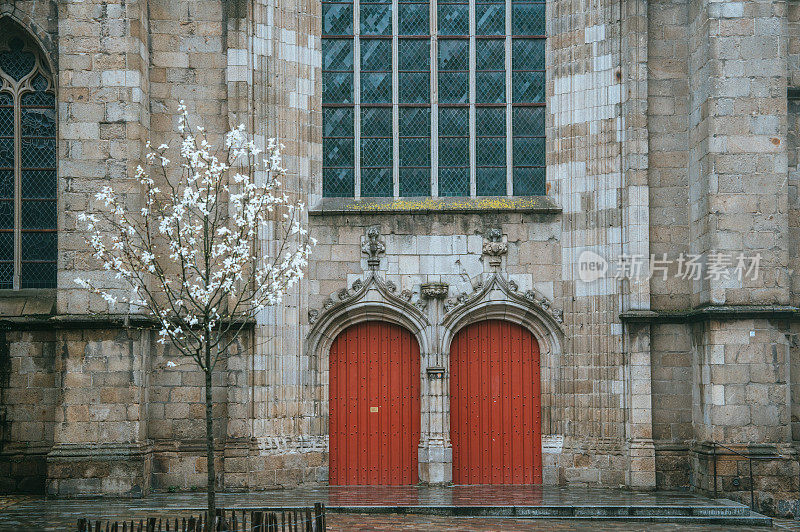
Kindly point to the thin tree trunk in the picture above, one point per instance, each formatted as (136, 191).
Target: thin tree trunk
(212, 488)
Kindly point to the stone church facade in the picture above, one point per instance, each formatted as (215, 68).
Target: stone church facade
(670, 130)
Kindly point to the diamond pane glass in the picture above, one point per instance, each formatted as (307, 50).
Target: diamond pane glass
(16, 62)
(413, 19)
(337, 19)
(337, 121)
(337, 87)
(38, 99)
(38, 275)
(414, 54)
(338, 182)
(39, 184)
(36, 214)
(453, 19)
(490, 121)
(453, 151)
(490, 54)
(376, 182)
(490, 181)
(6, 248)
(7, 153)
(415, 182)
(529, 182)
(38, 153)
(39, 246)
(6, 99)
(414, 87)
(454, 121)
(376, 55)
(376, 87)
(6, 121)
(453, 54)
(415, 121)
(376, 152)
(453, 181)
(38, 122)
(415, 151)
(337, 152)
(337, 54)
(529, 151)
(527, 18)
(376, 122)
(453, 87)
(528, 87)
(490, 19)
(528, 121)
(376, 19)
(490, 151)
(6, 275)
(7, 184)
(490, 87)
(7, 214)
(527, 54)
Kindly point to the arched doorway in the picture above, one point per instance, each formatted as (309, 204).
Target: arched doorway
(374, 399)
(495, 405)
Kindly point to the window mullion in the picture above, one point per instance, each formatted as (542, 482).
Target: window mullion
(472, 131)
(17, 190)
(509, 100)
(357, 99)
(395, 100)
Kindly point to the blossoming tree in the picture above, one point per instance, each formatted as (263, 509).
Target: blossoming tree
(191, 253)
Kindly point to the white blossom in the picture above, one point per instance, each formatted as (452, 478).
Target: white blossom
(193, 252)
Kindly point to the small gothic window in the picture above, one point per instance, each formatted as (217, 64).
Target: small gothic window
(28, 237)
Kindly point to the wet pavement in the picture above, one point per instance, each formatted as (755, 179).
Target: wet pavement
(30, 513)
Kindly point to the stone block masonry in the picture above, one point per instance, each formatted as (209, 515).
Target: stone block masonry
(668, 132)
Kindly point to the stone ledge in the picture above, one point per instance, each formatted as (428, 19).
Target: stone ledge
(737, 312)
(28, 302)
(481, 205)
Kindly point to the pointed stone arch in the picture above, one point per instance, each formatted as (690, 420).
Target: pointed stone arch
(22, 22)
(366, 300)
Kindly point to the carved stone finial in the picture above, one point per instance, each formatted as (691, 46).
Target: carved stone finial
(358, 284)
(391, 287)
(494, 247)
(373, 247)
(434, 290)
(406, 295)
(313, 314)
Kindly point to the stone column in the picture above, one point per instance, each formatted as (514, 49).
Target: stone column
(739, 212)
(435, 451)
(100, 441)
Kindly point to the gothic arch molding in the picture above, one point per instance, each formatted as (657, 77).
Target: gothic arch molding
(10, 15)
(498, 299)
(371, 299)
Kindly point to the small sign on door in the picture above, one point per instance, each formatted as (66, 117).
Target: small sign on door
(373, 409)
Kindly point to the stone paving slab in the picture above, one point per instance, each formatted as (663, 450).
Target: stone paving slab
(42, 514)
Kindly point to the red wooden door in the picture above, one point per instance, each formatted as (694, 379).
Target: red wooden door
(374, 406)
(495, 405)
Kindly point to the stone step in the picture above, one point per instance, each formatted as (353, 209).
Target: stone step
(726, 513)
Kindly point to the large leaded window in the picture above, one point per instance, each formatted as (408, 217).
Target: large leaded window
(433, 98)
(28, 238)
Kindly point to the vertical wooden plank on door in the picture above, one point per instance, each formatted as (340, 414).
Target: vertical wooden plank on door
(374, 365)
(495, 400)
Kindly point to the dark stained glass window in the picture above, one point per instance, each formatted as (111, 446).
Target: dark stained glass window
(377, 152)
(422, 105)
(28, 183)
